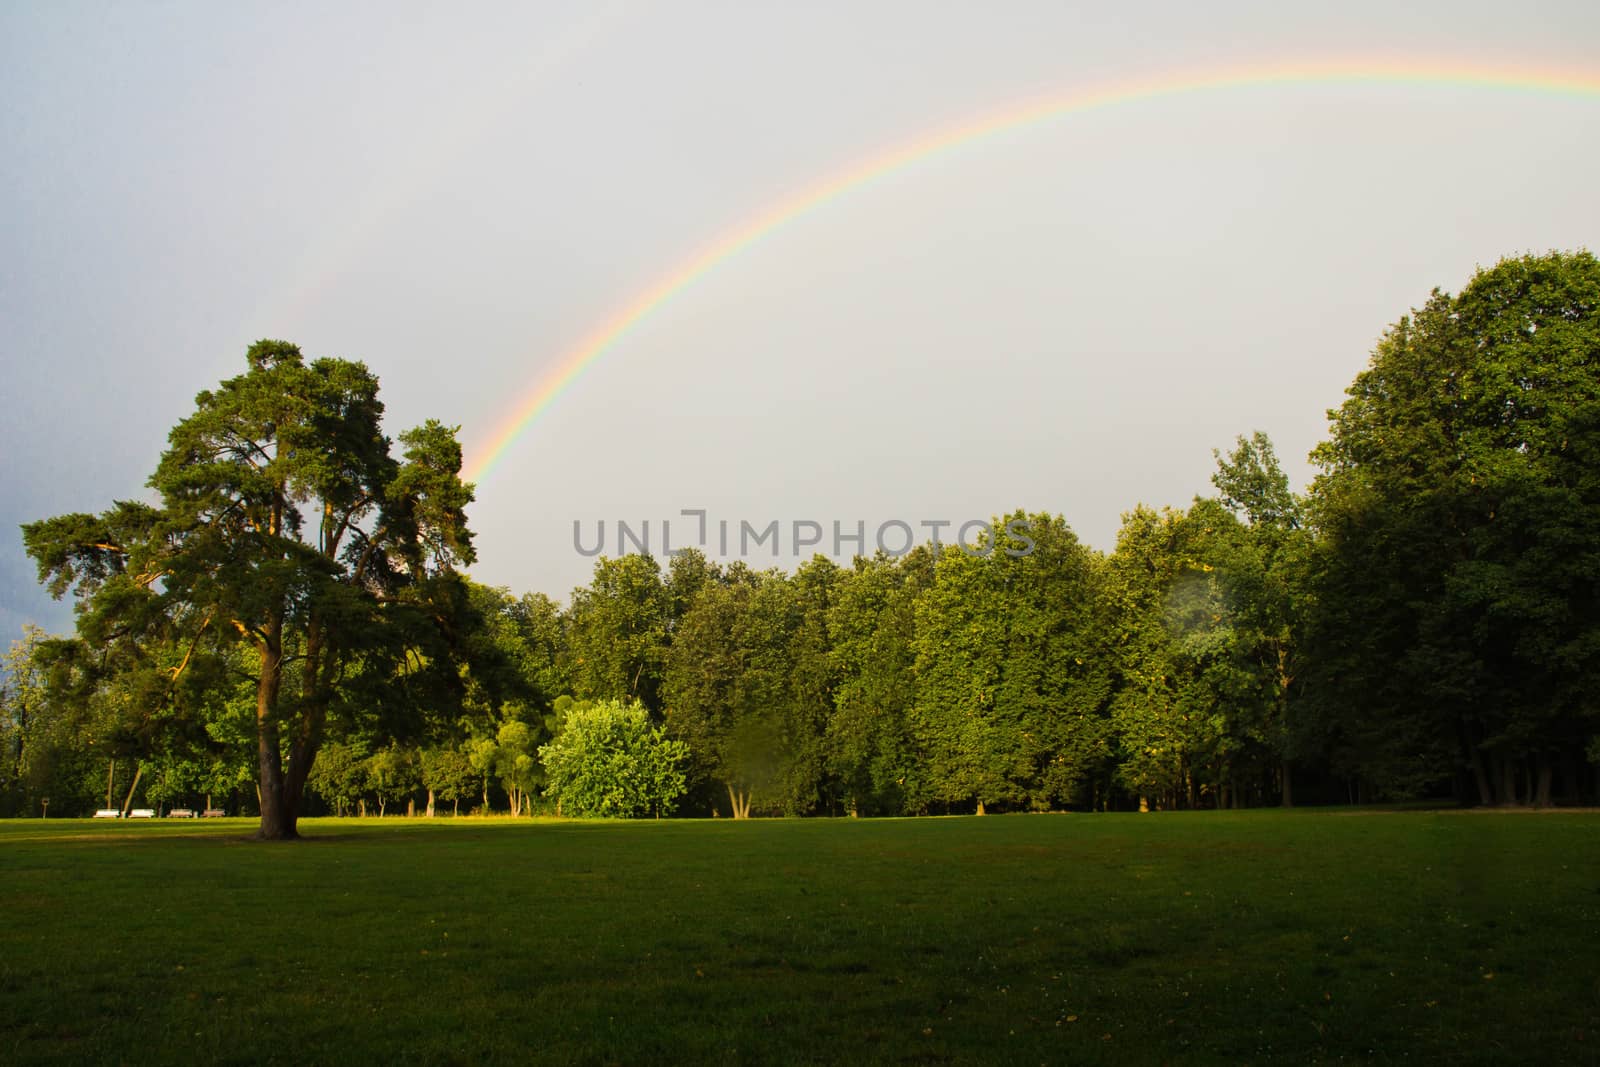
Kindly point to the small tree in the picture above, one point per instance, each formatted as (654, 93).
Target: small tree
(482, 754)
(392, 775)
(609, 760)
(340, 776)
(515, 763)
(447, 775)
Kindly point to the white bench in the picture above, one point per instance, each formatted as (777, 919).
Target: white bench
(181, 813)
(108, 813)
(213, 813)
(142, 813)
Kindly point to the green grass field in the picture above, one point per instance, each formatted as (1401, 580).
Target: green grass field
(1205, 937)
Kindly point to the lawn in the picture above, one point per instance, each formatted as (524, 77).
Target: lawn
(1197, 937)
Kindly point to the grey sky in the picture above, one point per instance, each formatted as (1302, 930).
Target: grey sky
(1066, 318)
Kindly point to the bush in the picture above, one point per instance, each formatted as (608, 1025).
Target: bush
(609, 760)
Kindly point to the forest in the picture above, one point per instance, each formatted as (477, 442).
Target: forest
(289, 630)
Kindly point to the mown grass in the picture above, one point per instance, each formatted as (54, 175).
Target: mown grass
(1209, 937)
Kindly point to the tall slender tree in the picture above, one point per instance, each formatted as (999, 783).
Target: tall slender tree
(1267, 571)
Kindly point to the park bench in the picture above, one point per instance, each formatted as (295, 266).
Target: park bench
(213, 813)
(108, 813)
(181, 813)
(142, 813)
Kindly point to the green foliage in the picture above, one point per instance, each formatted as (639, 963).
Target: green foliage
(707, 689)
(483, 756)
(609, 760)
(1459, 505)
(617, 632)
(392, 775)
(510, 653)
(340, 776)
(516, 762)
(873, 626)
(448, 773)
(1425, 618)
(38, 745)
(286, 529)
(1253, 485)
(750, 686)
(1011, 685)
(1198, 691)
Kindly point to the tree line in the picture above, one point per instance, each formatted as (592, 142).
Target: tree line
(290, 627)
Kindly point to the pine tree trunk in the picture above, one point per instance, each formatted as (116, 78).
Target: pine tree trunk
(430, 803)
(277, 815)
(111, 777)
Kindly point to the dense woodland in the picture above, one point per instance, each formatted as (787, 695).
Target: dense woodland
(290, 632)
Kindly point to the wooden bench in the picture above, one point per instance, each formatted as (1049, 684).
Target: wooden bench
(181, 813)
(213, 813)
(142, 813)
(108, 813)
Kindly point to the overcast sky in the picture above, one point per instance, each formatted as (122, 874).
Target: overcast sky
(1066, 318)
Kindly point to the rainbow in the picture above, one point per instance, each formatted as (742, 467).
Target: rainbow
(813, 197)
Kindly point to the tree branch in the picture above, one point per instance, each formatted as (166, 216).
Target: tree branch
(187, 656)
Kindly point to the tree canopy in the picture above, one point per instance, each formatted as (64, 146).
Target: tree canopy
(609, 759)
(287, 529)
(1459, 503)
(1423, 621)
